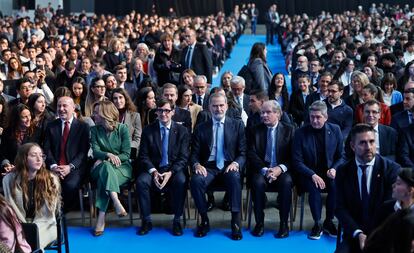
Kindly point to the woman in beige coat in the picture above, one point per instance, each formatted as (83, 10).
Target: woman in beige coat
(34, 192)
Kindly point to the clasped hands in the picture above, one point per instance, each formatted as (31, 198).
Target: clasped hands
(273, 173)
(161, 180)
(61, 170)
(201, 170)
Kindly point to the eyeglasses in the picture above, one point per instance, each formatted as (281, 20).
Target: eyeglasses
(161, 111)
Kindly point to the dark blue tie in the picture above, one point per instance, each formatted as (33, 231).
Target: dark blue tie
(164, 151)
(269, 146)
(364, 195)
(188, 57)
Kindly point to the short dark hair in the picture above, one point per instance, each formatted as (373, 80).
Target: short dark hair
(260, 95)
(359, 129)
(337, 83)
(22, 81)
(163, 101)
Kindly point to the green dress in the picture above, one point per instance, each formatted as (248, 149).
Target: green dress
(107, 176)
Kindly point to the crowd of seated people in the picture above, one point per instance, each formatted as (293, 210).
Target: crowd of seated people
(138, 87)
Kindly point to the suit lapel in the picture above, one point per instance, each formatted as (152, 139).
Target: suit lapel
(172, 139)
(157, 136)
(375, 182)
(329, 138)
(209, 134)
(262, 140)
(279, 140)
(354, 183)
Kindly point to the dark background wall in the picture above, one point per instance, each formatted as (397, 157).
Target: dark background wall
(204, 7)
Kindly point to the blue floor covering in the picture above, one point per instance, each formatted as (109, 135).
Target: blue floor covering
(217, 241)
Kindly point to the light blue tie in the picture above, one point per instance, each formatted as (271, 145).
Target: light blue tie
(269, 145)
(164, 151)
(219, 146)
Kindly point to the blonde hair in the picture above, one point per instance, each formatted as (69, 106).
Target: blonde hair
(108, 112)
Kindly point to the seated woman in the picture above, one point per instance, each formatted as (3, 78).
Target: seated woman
(111, 148)
(11, 232)
(20, 131)
(145, 102)
(128, 115)
(79, 91)
(33, 192)
(40, 114)
(185, 102)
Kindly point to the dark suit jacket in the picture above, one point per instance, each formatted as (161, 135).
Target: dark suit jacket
(77, 145)
(396, 108)
(257, 146)
(111, 60)
(388, 138)
(297, 107)
(205, 115)
(151, 146)
(400, 120)
(349, 206)
(205, 100)
(181, 117)
(234, 142)
(405, 147)
(201, 63)
(304, 153)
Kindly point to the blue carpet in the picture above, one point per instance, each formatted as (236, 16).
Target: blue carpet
(160, 240)
(241, 52)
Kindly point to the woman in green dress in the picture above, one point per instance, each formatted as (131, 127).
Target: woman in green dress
(111, 147)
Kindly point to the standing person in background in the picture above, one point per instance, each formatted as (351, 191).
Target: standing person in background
(196, 56)
(258, 67)
(254, 16)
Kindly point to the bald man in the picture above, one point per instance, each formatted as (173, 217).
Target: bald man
(66, 146)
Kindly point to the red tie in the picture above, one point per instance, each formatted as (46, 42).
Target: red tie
(65, 135)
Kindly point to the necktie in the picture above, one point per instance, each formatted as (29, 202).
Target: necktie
(219, 147)
(239, 102)
(199, 102)
(164, 151)
(64, 140)
(269, 157)
(364, 195)
(188, 57)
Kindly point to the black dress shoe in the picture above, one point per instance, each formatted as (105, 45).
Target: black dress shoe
(283, 230)
(258, 230)
(202, 229)
(145, 228)
(236, 233)
(176, 229)
(211, 203)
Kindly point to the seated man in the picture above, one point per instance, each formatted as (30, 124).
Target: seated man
(363, 184)
(163, 155)
(317, 152)
(66, 148)
(218, 151)
(269, 157)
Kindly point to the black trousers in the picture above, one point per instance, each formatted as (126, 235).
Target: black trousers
(231, 181)
(176, 185)
(70, 187)
(283, 185)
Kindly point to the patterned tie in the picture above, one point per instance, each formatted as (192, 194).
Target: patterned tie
(188, 57)
(364, 195)
(64, 140)
(239, 102)
(219, 147)
(164, 151)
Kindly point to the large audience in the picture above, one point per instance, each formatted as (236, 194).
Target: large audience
(127, 101)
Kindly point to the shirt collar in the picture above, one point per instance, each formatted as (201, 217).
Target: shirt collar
(70, 120)
(168, 125)
(371, 163)
(221, 121)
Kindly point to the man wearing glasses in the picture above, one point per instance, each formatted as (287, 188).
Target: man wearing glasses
(163, 157)
(200, 95)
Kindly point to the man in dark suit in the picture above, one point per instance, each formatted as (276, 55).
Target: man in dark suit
(405, 153)
(256, 100)
(163, 155)
(195, 56)
(218, 151)
(322, 93)
(269, 158)
(200, 95)
(404, 118)
(181, 116)
(363, 184)
(385, 137)
(399, 107)
(237, 85)
(66, 147)
(121, 77)
(317, 153)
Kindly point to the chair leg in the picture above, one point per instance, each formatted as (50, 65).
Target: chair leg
(246, 211)
(295, 202)
(302, 210)
(65, 234)
(59, 234)
(81, 205)
(291, 214)
(130, 207)
(249, 209)
(188, 203)
(91, 207)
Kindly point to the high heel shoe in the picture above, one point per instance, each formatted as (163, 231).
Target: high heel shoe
(97, 233)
